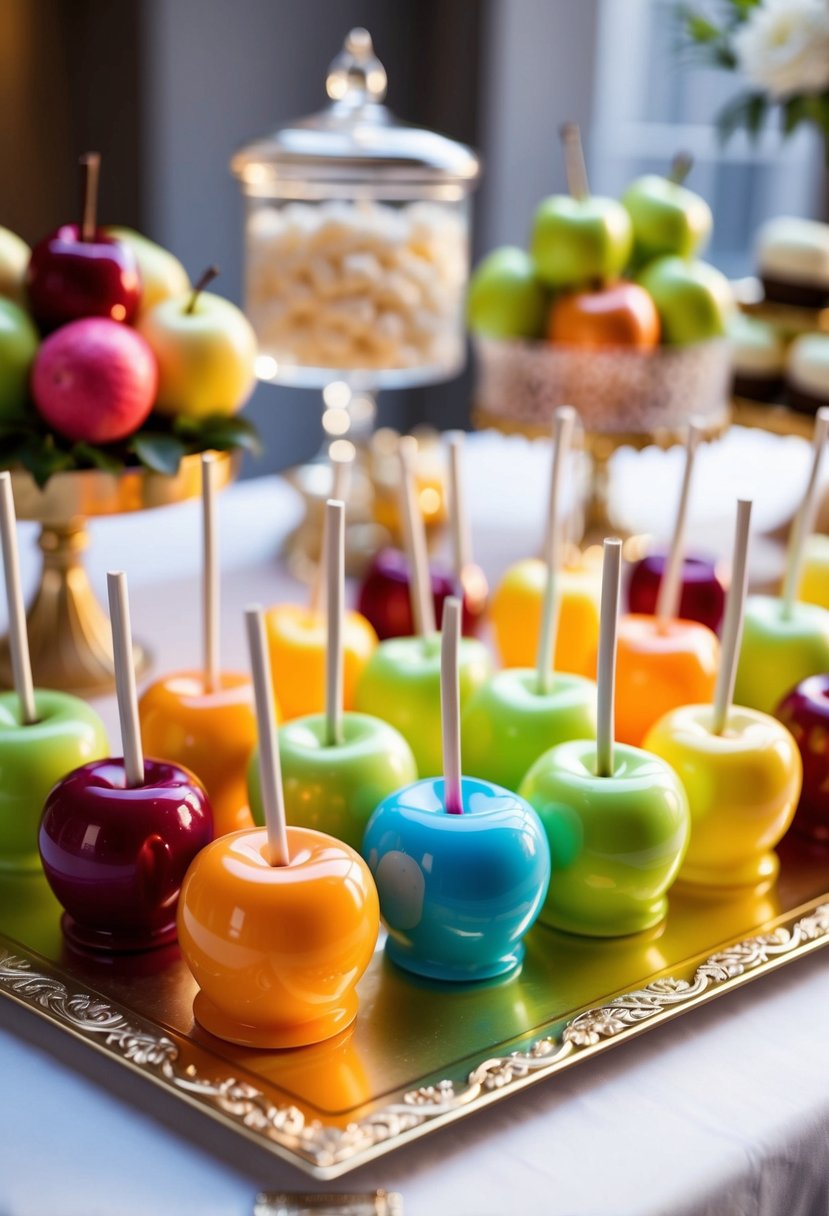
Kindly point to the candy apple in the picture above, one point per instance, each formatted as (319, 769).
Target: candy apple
(162, 274)
(742, 788)
(814, 581)
(505, 298)
(622, 314)
(67, 733)
(18, 346)
(667, 218)
(14, 258)
(334, 788)
(205, 348)
(779, 651)
(457, 891)
(401, 684)
(69, 278)
(515, 613)
(694, 300)
(297, 641)
(508, 722)
(211, 732)
(702, 597)
(616, 842)
(94, 380)
(277, 950)
(579, 241)
(115, 855)
(805, 713)
(384, 596)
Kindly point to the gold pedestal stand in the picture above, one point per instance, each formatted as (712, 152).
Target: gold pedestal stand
(69, 633)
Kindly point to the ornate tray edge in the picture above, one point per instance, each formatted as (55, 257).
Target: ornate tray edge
(327, 1150)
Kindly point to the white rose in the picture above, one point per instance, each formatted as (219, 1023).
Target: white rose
(783, 47)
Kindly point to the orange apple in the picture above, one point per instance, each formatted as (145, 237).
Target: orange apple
(296, 640)
(620, 315)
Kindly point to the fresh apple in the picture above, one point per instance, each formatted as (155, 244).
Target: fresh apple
(805, 714)
(115, 855)
(335, 788)
(67, 733)
(277, 950)
(69, 278)
(814, 581)
(14, 258)
(385, 599)
(616, 842)
(779, 650)
(18, 346)
(702, 597)
(515, 613)
(667, 218)
(162, 275)
(505, 299)
(622, 314)
(694, 300)
(297, 640)
(576, 242)
(94, 380)
(457, 891)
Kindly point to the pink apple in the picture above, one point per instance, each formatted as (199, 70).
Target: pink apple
(94, 380)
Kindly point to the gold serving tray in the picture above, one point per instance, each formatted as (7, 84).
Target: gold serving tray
(420, 1055)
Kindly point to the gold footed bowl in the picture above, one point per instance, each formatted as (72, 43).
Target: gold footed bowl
(69, 633)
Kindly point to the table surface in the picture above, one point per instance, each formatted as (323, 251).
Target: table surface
(726, 1110)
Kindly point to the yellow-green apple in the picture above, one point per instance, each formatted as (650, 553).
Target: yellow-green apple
(694, 300)
(667, 217)
(505, 298)
(14, 258)
(162, 274)
(577, 241)
(18, 346)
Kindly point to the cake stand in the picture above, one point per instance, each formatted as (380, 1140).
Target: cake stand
(69, 632)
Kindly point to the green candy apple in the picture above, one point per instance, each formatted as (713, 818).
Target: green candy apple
(14, 259)
(694, 300)
(667, 218)
(616, 842)
(19, 341)
(336, 788)
(162, 275)
(508, 723)
(778, 651)
(67, 734)
(401, 684)
(505, 298)
(576, 241)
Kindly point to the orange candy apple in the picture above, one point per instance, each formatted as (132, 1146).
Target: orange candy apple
(297, 640)
(622, 314)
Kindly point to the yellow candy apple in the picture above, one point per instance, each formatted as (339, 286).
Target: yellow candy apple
(515, 613)
(297, 641)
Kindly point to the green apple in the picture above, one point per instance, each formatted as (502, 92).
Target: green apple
(19, 341)
(205, 349)
(505, 298)
(576, 241)
(401, 684)
(694, 300)
(616, 842)
(778, 651)
(667, 218)
(67, 734)
(508, 723)
(162, 275)
(14, 259)
(336, 788)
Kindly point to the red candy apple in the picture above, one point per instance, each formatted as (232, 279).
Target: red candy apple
(622, 314)
(805, 711)
(702, 597)
(94, 380)
(384, 598)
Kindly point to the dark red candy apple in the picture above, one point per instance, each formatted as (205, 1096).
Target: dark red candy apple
(384, 597)
(702, 597)
(115, 856)
(805, 712)
(94, 380)
(69, 278)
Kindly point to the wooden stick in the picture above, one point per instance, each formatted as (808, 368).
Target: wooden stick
(563, 422)
(341, 469)
(805, 520)
(458, 514)
(670, 586)
(210, 574)
(414, 534)
(574, 165)
(335, 600)
(90, 172)
(119, 616)
(270, 769)
(606, 677)
(733, 626)
(450, 704)
(18, 635)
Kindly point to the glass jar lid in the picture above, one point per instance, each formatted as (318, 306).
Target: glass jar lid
(355, 136)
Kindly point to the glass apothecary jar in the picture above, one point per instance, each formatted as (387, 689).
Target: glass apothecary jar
(356, 240)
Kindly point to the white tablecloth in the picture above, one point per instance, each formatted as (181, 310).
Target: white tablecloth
(724, 1111)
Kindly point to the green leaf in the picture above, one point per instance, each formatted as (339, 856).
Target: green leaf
(700, 28)
(87, 454)
(187, 427)
(225, 433)
(43, 460)
(748, 111)
(161, 453)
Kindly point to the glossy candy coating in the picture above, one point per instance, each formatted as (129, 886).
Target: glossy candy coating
(401, 685)
(32, 758)
(296, 640)
(508, 723)
(515, 613)
(457, 892)
(814, 581)
(616, 843)
(742, 789)
(702, 597)
(776, 653)
(335, 789)
(805, 712)
(210, 733)
(115, 857)
(657, 671)
(68, 278)
(277, 950)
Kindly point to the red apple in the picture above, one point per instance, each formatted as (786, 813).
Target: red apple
(94, 380)
(384, 598)
(69, 278)
(620, 315)
(805, 711)
(702, 597)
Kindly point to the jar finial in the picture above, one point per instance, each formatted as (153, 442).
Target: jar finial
(356, 75)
